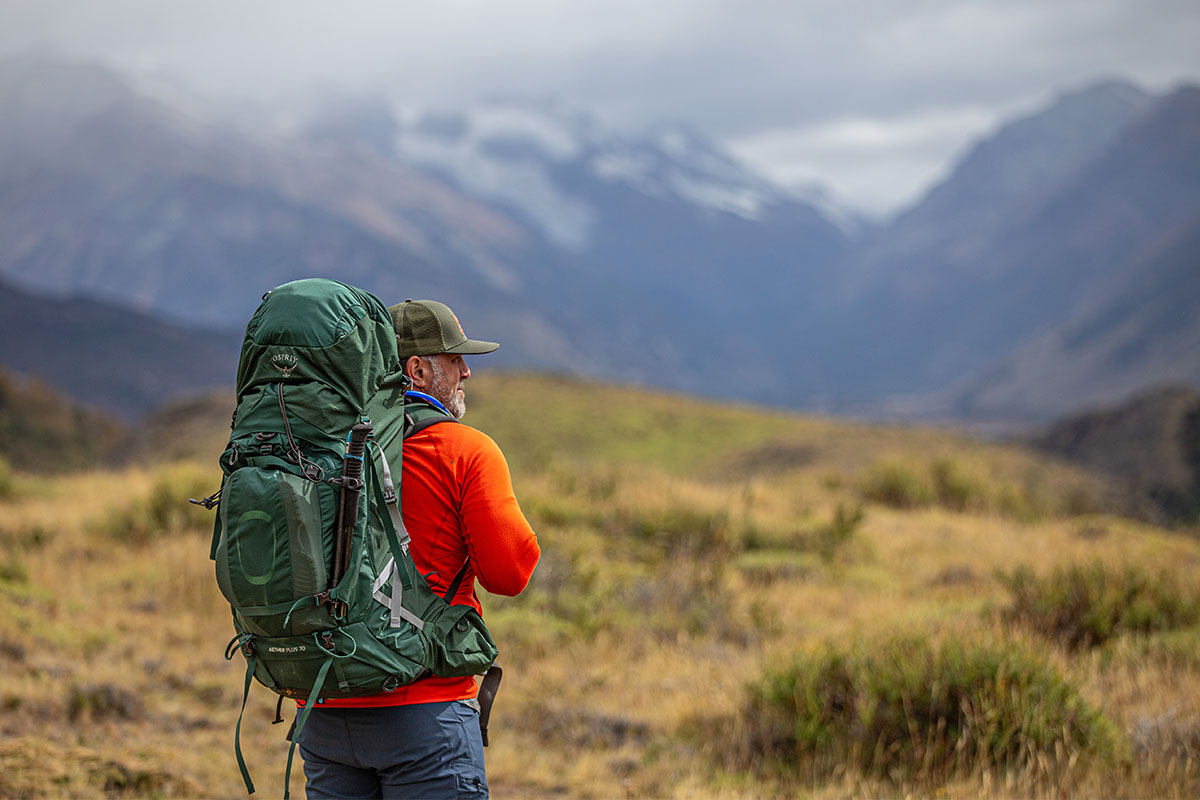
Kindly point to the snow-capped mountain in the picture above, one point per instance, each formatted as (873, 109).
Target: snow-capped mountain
(699, 255)
(1053, 266)
(537, 159)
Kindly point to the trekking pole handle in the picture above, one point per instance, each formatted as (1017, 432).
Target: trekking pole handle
(352, 486)
(356, 445)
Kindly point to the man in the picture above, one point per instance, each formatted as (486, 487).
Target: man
(423, 740)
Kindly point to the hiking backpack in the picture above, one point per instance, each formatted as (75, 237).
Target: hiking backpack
(309, 543)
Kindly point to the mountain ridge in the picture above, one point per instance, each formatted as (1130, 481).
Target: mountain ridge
(653, 258)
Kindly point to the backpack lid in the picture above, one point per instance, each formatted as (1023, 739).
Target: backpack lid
(323, 331)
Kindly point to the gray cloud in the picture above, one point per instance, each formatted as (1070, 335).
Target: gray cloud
(775, 79)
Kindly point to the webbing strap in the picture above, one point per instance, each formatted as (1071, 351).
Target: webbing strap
(394, 603)
(275, 608)
(237, 734)
(391, 499)
(300, 720)
(458, 579)
(399, 551)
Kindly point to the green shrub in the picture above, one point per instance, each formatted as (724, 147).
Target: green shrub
(7, 489)
(944, 482)
(13, 570)
(832, 538)
(1023, 506)
(957, 489)
(1085, 606)
(684, 531)
(102, 701)
(898, 485)
(906, 711)
(165, 508)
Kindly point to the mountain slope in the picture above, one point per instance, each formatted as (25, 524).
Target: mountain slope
(950, 284)
(944, 299)
(138, 205)
(42, 431)
(1133, 323)
(110, 358)
(131, 200)
(1053, 267)
(1150, 442)
(680, 258)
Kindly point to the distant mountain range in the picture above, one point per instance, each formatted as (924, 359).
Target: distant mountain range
(1056, 267)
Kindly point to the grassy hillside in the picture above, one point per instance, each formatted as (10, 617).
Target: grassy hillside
(44, 432)
(1150, 442)
(730, 603)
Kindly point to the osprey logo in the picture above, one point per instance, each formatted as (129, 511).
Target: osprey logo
(284, 362)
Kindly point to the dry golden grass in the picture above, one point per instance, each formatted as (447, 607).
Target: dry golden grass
(668, 583)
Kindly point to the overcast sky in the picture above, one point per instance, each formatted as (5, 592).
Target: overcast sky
(873, 99)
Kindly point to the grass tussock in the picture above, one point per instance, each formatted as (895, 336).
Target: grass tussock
(8, 488)
(102, 701)
(1088, 605)
(163, 509)
(967, 487)
(913, 713)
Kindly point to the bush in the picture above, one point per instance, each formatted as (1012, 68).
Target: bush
(833, 537)
(7, 490)
(12, 569)
(957, 489)
(1085, 606)
(684, 531)
(906, 711)
(946, 483)
(894, 484)
(165, 508)
(103, 701)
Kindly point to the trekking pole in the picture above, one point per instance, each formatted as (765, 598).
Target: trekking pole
(352, 486)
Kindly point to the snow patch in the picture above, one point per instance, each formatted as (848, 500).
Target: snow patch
(743, 201)
(520, 182)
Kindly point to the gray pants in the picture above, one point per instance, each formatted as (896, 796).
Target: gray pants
(428, 750)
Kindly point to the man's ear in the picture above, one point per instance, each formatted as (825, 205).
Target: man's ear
(417, 370)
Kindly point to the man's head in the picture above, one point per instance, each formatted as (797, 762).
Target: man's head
(432, 345)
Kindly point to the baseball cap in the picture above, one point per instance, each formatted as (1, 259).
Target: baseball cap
(427, 327)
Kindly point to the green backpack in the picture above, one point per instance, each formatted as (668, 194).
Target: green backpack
(309, 543)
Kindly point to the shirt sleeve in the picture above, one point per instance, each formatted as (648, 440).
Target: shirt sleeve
(503, 547)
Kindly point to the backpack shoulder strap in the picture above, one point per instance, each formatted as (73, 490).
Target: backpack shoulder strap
(419, 415)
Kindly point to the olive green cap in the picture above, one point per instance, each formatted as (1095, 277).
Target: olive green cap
(427, 327)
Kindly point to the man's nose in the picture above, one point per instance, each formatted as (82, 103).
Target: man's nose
(464, 370)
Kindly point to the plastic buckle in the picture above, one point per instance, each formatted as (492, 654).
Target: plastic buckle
(339, 610)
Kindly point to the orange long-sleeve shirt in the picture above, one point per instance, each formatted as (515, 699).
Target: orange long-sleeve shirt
(457, 500)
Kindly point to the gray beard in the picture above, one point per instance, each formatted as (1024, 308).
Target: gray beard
(447, 392)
